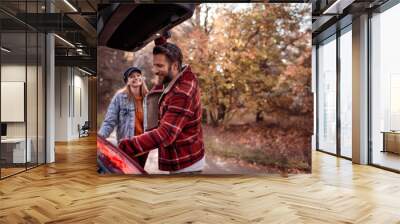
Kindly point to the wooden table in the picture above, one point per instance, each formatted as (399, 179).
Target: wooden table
(391, 141)
(13, 150)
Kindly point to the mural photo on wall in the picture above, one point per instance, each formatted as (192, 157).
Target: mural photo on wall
(204, 88)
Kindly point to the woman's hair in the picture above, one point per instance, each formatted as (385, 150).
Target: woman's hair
(143, 90)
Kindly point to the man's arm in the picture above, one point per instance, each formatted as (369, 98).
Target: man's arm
(179, 112)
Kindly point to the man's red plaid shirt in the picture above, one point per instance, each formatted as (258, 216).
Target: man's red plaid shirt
(179, 136)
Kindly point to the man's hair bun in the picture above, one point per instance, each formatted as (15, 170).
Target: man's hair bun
(162, 39)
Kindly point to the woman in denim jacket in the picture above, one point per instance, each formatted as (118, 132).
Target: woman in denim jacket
(127, 109)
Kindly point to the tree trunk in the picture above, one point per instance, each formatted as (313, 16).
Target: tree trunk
(197, 16)
(259, 117)
(214, 119)
(221, 112)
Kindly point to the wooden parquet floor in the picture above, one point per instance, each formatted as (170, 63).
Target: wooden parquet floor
(70, 191)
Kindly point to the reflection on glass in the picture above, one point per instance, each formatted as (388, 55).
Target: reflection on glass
(327, 96)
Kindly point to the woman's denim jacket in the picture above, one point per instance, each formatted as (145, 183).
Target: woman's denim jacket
(121, 114)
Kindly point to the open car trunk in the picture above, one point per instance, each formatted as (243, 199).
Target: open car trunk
(130, 27)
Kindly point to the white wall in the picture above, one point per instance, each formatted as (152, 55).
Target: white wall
(71, 93)
(80, 100)
(12, 73)
(61, 103)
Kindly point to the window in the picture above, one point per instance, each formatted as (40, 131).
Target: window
(385, 89)
(346, 92)
(327, 95)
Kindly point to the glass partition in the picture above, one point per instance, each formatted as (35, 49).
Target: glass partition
(14, 153)
(22, 88)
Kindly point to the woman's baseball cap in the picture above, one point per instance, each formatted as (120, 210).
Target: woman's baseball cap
(130, 71)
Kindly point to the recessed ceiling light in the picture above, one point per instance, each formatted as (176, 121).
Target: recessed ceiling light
(338, 6)
(84, 71)
(5, 50)
(70, 5)
(64, 40)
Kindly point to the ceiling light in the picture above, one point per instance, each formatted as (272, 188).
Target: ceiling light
(70, 5)
(84, 71)
(338, 6)
(64, 40)
(5, 50)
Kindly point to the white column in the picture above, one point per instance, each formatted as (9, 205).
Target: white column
(360, 90)
(313, 88)
(50, 93)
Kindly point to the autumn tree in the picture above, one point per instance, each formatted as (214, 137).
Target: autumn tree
(250, 58)
(242, 55)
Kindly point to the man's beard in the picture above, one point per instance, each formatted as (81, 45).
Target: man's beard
(168, 78)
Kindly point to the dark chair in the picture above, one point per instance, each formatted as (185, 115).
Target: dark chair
(84, 130)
